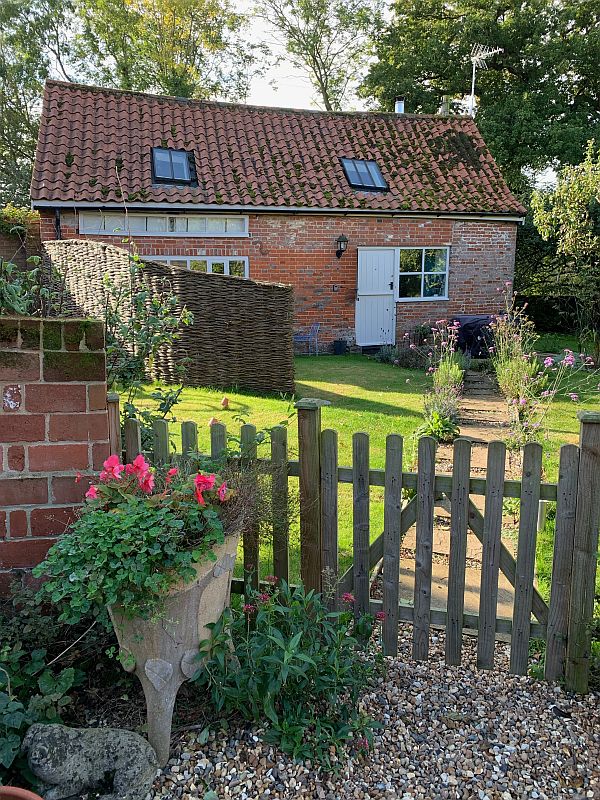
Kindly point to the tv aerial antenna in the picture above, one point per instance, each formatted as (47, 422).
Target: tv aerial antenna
(479, 55)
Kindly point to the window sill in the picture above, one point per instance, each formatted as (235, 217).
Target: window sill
(421, 299)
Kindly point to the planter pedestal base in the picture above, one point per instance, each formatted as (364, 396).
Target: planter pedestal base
(163, 653)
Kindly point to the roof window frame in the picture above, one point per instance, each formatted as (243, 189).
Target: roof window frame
(191, 168)
(372, 168)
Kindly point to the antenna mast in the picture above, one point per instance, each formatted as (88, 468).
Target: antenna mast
(479, 54)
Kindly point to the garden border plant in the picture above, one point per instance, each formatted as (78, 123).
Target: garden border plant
(296, 668)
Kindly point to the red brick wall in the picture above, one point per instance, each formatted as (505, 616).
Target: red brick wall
(300, 250)
(53, 423)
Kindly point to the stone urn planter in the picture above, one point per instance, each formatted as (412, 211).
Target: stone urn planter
(163, 652)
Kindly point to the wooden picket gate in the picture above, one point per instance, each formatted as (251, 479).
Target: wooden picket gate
(563, 623)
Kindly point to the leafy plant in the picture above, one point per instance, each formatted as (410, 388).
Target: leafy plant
(295, 667)
(21, 290)
(443, 429)
(139, 321)
(140, 533)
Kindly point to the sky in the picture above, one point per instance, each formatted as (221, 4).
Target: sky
(282, 85)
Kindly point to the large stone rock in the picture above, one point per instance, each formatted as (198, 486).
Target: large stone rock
(69, 761)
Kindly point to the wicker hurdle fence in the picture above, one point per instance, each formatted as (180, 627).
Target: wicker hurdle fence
(564, 622)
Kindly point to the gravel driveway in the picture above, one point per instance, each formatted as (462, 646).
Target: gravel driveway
(447, 733)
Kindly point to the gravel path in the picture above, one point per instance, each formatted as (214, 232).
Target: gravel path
(447, 733)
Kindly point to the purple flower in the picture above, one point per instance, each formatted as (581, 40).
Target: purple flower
(549, 362)
(574, 397)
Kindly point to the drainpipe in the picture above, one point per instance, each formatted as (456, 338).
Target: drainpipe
(57, 228)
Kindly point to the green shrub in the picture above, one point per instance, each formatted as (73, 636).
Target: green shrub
(296, 668)
(443, 429)
(39, 669)
(448, 373)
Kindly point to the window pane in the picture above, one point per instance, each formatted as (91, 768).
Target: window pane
(435, 285)
(351, 172)
(236, 225)
(178, 262)
(410, 286)
(137, 223)
(162, 163)
(181, 167)
(91, 222)
(157, 224)
(435, 260)
(215, 225)
(376, 175)
(115, 223)
(217, 267)
(196, 224)
(180, 224)
(237, 267)
(199, 265)
(364, 174)
(410, 260)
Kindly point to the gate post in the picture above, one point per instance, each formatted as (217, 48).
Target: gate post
(583, 575)
(309, 454)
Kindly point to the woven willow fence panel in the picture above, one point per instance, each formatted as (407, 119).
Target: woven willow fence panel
(242, 330)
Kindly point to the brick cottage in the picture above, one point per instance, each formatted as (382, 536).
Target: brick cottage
(379, 221)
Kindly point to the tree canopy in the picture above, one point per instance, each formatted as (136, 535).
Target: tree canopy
(329, 40)
(539, 99)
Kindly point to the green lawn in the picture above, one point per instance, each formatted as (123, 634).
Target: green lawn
(365, 396)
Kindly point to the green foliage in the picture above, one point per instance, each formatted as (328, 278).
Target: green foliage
(327, 40)
(21, 290)
(139, 321)
(130, 546)
(295, 668)
(185, 48)
(569, 216)
(442, 428)
(449, 373)
(15, 219)
(34, 685)
(537, 105)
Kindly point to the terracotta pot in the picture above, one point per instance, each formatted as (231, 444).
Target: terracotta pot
(163, 653)
(13, 793)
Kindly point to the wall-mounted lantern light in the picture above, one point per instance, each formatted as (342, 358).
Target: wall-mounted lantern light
(342, 245)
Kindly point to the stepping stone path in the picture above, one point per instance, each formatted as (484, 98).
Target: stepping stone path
(483, 418)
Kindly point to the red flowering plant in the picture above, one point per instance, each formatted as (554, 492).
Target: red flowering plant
(141, 531)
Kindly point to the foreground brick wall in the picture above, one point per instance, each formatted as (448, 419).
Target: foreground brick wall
(18, 248)
(53, 424)
(300, 250)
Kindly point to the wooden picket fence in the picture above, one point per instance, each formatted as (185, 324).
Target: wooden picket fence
(564, 623)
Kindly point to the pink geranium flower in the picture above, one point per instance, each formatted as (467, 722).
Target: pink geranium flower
(92, 493)
(203, 483)
(171, 474)
(347, 597)
(146, 482)
(112, 469)
(380, 616)
(139, 466)
(222, 492)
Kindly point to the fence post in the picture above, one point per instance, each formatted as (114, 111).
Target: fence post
(133, 439)
(114, 424)
(583, 575)
(309, 454)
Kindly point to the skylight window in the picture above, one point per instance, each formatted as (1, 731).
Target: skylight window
(364, 175)
(172, 166)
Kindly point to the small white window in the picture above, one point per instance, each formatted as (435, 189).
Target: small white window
(236, 266)
(423, 273)
(196, 224)
(156, 224)
(236, 225)
(215, 224)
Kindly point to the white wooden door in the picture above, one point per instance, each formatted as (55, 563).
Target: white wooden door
(375, 318)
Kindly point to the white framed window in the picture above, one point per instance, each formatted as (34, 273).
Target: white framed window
(423, 273)
(217, 265)
(111, 223)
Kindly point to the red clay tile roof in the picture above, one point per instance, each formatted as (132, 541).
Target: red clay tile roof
(259, 157)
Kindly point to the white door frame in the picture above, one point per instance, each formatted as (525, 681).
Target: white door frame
(393, 293)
